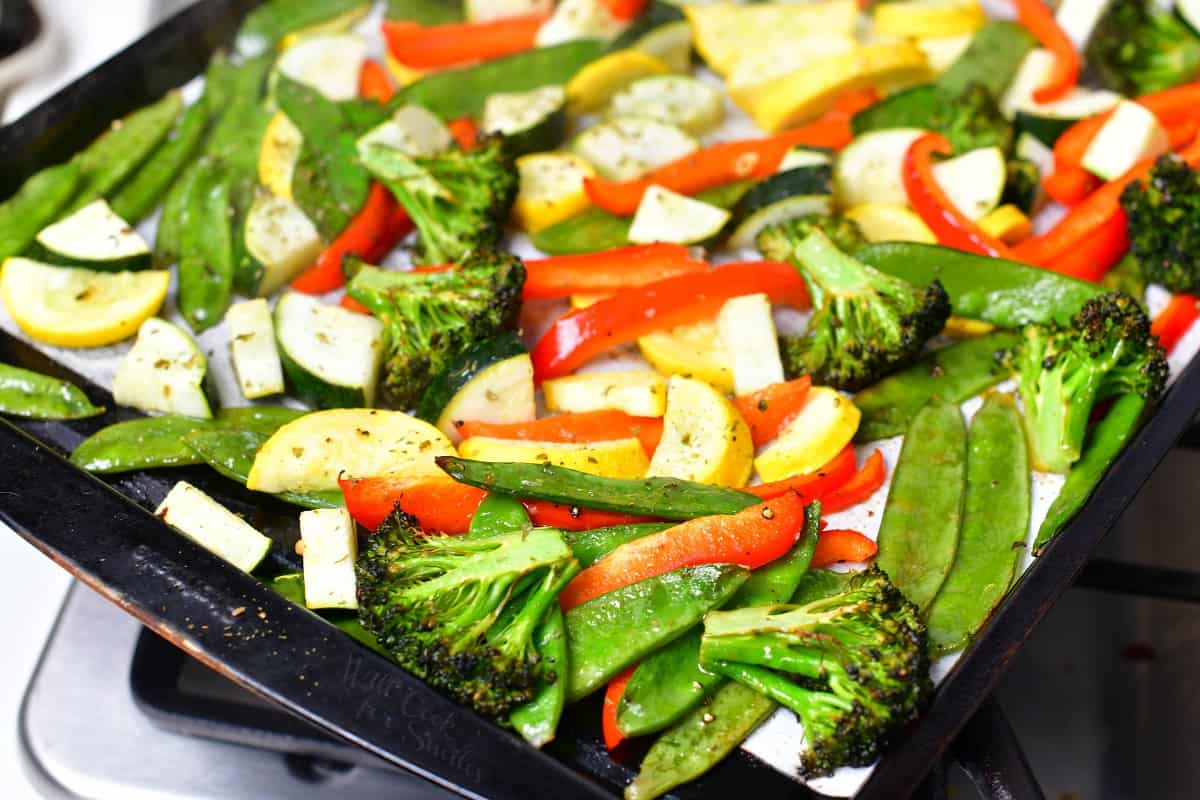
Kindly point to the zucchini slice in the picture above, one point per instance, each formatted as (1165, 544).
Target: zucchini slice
(804, 156)
(974, 181)
(869, 169)
(330, 355)
(666, 216)
(163, 371)
(679, 100)
(330, 550)
(626, 148)
(796, 193)
(551, 189)
(252, 349)
(94, 237)
(413, 130)
(492, 381)
(663, 32)
(329, 63)
(533, 121)
(280, 240)
(640, 393)
(212, 526)
(307, 455)
(748, 332)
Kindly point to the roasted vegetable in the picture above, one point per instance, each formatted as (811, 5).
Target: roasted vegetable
(1164, 224)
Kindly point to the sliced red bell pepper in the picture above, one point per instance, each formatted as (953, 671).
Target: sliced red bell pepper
(814, 485)
(948, 224)
(376, 223)
(578, 336)
(374, 83)
(1039, 19)
(589, 426)
(1175, 320)
(769, 410)
(434, 46)
(624, 10)
(859, 488)
(753, 537)
(1070, 185)
(350, 304)
(465, 132)
(1096, 253)
(573, 518)
(836, 546)
(608, 715)
(718, 164)
(854, 101)
(608, 270)
(439, 504)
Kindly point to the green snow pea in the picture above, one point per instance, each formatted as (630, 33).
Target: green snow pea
(1004, 293)
(538, 719)
(670, 683)
(168, 238)
(120, 150)
(206, 257)
(498, 514)
(591, 546)
(995, 523)
(955, 373)
(152, 442)
(919, 532)
(1104, 444)
(141, 193)
(291, 586)
(35, 205)
(277, 18)
(426, 12)
(231, 452)
(24, 393)
(992, 58)
(608, 633)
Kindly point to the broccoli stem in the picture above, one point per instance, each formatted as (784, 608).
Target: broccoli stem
(806, 703)
(828, 270)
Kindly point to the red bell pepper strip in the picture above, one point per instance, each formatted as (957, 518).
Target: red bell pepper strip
(465, 132)
(854, 101)
(752, 537)
(1070, 185)
(1096, 253)
(718, 164)
(590, 426)
(608, 715)
(434, 46)
(769, 410)
(948, 224)
(350, 304)
(624, 10)
(1175, 320)
(574, 518)
(439, 504)
(579, 335)
(372, 223)
(1039, 19)
(607, 271)
(374, 83)
(836, 546)
(814, 485)
(860, 487)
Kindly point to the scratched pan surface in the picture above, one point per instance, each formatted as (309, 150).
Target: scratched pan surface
(105, 535)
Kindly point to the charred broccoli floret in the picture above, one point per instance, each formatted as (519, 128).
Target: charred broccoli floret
(1062, 372)
(852, 666)
(1164, 224)
(431, 317)
(844, 232)
(866, 324)
(1137, 48)
(459, 612)
(459, 200)
(972, 119)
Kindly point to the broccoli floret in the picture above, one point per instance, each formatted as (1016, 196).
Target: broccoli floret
(972, 119)
(1164, 224)
(1137, 48)
(459, 200)
(1062, 372)
(459, 612)
(844, 232)
(1022, 185)
(431, 317)
(853, 666)
(866, 324)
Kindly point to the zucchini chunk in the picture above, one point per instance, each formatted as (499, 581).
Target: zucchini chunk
(491, 381)
(666, 216)
(94, 237)
(212, 526)
(163, 371)
(280, 240)
(330, 355)
(252, 349)
(626, 148)
(330, 550)
(533, 122)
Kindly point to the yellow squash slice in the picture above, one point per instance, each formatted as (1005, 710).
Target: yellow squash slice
(704, 438)
(639, 394)
(594, 86)
(826, 424)
(693, 351)
(620, 458)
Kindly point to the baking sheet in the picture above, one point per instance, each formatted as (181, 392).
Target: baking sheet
(776, 742)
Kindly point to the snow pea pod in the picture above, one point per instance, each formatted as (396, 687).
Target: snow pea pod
(426, 12)
(538, 719)
(591, 546)
(955, 373)
(995, 523)
(608, 633)
(919, 532)
(1004, 293)
(141, 194)
(24, 393)
(670, 683)
(153, 442)
(206, 256)
(665, 498)
(231, 453)
(1107, 440)
(116, 153)
(35, 205)
(271, 21)
(498, 514)
(169, 235)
